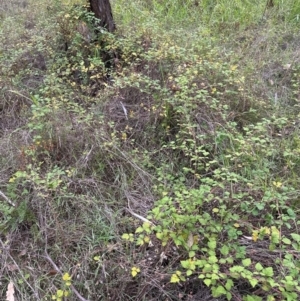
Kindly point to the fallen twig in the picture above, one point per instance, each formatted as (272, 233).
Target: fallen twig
(60, 272)
(135, 214)
(7, 199)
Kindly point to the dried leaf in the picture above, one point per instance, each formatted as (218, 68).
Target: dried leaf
(11, 267)
(22, 253)
(190, 241)
(10, 292)
(52, 272)
(175, 279)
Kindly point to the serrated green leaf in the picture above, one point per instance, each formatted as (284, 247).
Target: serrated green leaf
(272, 282)
(146, 225)
(125, 236)
(260, 206)
(218, 291)
(271, 298)
(229, 284)
(222, 260)
(246, 262)
(147, 239)
(230, 260)
(189, 272)
(195, 248)
(174, 279)
(275, 236)
(212, 259)
(140, 241)
(215, 268)
(237, 269)
(207, 282)
(224, 250)
(268, 271)
(185, 264)
(164, 243)
(200, 263)
(228, 296)
(258, 267)
(291, 213)
(253, 282)
(272, 247)
(159, 235)
(139, 230)
(212, 244)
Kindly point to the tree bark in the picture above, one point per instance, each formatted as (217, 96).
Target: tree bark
(270, 3)
(103, 12)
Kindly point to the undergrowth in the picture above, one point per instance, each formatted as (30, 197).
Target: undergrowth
(159, 163)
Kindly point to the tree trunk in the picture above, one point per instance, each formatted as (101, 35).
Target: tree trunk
(102, 11)
(270, 3)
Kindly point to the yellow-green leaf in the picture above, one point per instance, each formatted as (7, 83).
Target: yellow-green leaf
(174, 279)
(189, 272)
(125, 236)
(134, 271)
(66, 277)
(255, 235)
(139, 230)
(207, 282)
(246, 262)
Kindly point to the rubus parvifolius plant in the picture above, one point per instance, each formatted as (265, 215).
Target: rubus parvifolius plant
(218, 244)
(213, 222)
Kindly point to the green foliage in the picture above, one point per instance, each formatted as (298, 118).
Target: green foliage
(221, 176)
(191, 104)
(204, 227)
(12, 217)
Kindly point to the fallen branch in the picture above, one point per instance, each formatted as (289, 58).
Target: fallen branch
(143, 219)
(7, 199)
